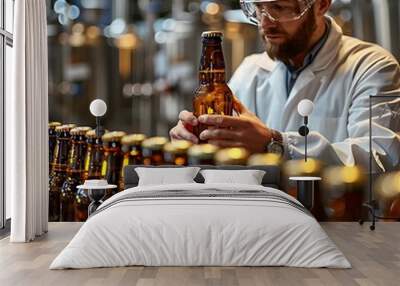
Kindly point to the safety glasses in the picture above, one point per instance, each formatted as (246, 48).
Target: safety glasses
(276, 10)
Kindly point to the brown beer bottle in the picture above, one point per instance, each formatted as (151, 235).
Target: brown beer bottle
(133, 155)
(96, 160)
(59, 169)
(213, 95)
(175, 152)
(153, 151)
(75, 172)
(93, 160)
(52, 141)
(112, 162)
(94, 156)
(202, 154)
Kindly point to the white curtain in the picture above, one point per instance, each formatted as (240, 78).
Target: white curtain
(26, 124)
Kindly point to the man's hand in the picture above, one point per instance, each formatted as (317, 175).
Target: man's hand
(183, 130)
(246, 130)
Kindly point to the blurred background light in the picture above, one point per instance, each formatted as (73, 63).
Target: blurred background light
(117, 27)
(63, 19)
(212, 8)
(73, 12)
(60, 6)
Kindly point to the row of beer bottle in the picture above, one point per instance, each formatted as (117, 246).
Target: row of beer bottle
(76, 155)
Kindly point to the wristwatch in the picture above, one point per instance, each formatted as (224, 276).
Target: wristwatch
(275, 145)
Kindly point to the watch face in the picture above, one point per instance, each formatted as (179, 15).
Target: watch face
(275, 148)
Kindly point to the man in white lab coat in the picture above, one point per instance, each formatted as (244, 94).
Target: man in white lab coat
(308, 57)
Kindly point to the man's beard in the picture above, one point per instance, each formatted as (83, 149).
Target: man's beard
(293, 46)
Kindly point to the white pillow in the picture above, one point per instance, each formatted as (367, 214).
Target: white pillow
(248, 177)
(166, 176)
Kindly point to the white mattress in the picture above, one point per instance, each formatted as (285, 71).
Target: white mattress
(206, 231)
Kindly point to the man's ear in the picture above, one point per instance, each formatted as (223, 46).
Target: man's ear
(322, 6)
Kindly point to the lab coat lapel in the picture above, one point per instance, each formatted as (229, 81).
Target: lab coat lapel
(301, 90)
(277, 83)
(311, 79)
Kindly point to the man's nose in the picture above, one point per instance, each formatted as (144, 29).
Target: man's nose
(266, 22)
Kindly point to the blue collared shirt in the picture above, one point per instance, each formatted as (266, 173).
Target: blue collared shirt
(292, 74)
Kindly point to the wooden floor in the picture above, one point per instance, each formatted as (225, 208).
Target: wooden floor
(375, 257)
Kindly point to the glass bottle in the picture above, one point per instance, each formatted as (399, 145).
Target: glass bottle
(213, 96)
(52, 141)
(59, 169)
(112, 162)
(343, 193)
(133, 155)
(75, 172)
(202, 154)
(175, 152)
(92, 171)
(94, 156)
(153, 151)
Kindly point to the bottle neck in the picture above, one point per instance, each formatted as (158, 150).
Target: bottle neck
(76, 163)
(61, 153)
(112, 161)
(52, 146)
(95, 161)
(212, 64)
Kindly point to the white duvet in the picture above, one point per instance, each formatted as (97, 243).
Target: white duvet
(204, 231)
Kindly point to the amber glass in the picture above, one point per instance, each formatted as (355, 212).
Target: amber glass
(59, 170)
(387, 193)
(90, 141)
(75, 173)
(213, 96)
(343, 192)
(94, 156)
(52, 141)
(175, 152)
(112, 162)
(153, 151)
(202, 154)
(395, 208)
(133, 155)
(92, 170)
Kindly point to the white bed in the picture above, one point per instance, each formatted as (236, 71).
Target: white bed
(226, 225)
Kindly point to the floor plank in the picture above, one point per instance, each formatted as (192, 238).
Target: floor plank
(375, 257)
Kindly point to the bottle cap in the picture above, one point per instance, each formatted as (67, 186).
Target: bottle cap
(267, 159)
(54, 124)
(133, 139)
(92, 133)
(205, 151)
(154, 143)
(65, 127)
(177, 146)
(80, 130)
(212, 34)
(232, 156)
(113, 136)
